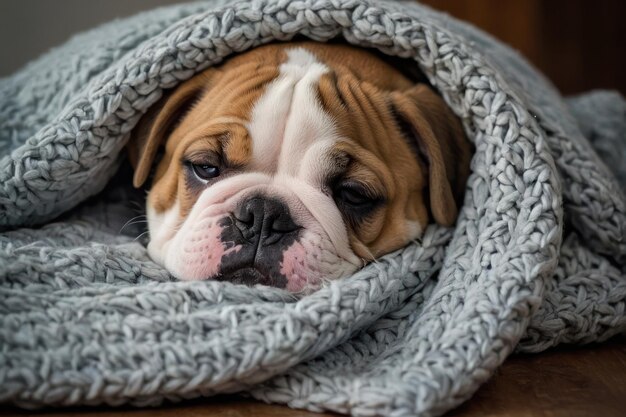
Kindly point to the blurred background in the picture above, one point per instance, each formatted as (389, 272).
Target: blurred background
(578, 44)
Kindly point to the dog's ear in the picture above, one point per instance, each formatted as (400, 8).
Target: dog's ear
(436, 136)
(159, 122)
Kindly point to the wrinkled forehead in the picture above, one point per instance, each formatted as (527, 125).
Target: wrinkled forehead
(291, 133)
(291, 110)
(262, 110)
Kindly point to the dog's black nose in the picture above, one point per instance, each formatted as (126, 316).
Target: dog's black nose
(265, 218)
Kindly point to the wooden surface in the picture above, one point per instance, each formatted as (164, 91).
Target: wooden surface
(578, 44)
(567, 382)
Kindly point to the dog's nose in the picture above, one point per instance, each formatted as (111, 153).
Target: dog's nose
(266, 218)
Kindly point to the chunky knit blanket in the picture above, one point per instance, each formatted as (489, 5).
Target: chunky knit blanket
(536, 259)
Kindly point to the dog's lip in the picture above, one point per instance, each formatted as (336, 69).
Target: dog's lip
(238, 274)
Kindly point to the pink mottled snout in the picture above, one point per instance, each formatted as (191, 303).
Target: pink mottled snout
(201, 251)
(257, 242)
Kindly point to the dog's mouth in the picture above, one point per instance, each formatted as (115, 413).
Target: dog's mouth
(247, 275)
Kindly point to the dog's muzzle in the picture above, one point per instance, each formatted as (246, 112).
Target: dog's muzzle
(264, 229)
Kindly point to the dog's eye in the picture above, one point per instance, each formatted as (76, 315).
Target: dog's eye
(204, 171)
(355, 196)
(356, 201)
(352, 196)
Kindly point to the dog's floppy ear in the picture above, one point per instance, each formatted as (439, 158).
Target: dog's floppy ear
(437, 137)
(159, 122)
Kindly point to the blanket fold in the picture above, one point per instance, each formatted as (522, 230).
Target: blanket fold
(536, 258)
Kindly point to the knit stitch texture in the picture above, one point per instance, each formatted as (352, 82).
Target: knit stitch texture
(536, 258)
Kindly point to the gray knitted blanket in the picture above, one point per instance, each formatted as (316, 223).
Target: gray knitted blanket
(536, 259)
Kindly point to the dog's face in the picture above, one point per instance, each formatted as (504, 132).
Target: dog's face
(293, 164)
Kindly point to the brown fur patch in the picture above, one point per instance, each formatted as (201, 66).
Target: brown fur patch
(360, 95)
(214, 124)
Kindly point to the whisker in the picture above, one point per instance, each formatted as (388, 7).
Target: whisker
(372, 258)
(137, 222)
(136, 205)
(132, 221)
(141, 235)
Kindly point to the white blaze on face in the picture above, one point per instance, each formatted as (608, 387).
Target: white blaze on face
(162, 228)
(287, 119)
(292, 137)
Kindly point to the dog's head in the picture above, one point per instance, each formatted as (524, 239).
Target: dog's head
(292, 164)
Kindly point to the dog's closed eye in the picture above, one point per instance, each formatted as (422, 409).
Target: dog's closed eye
(356, 201)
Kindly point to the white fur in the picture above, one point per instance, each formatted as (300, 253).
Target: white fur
(162, 229)
(287, 119)
(292, 136)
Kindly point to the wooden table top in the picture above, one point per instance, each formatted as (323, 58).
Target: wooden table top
(564, 382)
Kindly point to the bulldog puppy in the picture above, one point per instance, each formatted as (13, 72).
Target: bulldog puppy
(296, 163)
